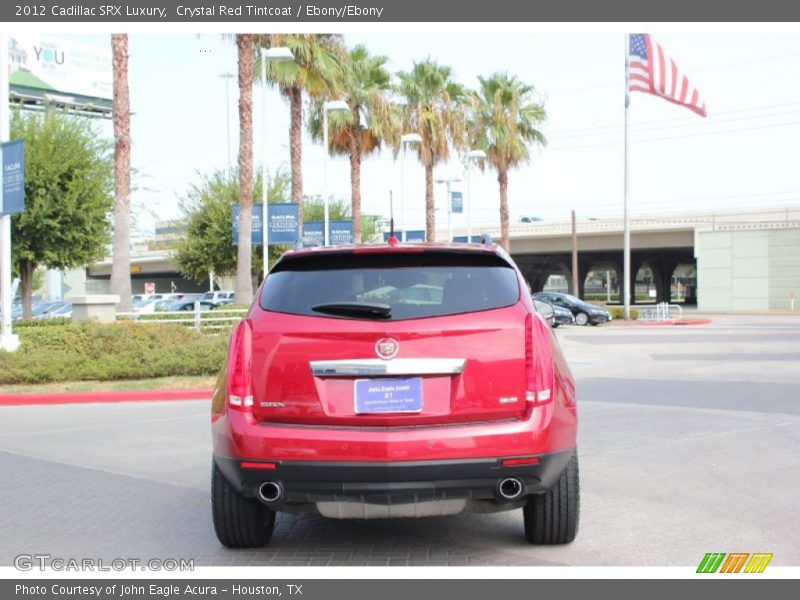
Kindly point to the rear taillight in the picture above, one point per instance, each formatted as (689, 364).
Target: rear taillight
(530, 377)
(537, 374)
(240, 367)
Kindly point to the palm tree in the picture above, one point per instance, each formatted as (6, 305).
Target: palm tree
(315, 70)
(371, 119)
(246, 51)
(504, 123)
(120, 283)
(435, 110)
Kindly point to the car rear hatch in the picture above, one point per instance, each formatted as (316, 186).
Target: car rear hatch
(389, 339)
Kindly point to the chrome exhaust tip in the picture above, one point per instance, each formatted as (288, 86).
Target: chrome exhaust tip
(510, 489)
(270, 492)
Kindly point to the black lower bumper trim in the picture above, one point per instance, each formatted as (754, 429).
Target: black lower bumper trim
(393, 482)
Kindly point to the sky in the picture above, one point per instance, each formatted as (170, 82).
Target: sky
(742, 156)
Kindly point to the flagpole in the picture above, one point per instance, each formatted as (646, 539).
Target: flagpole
(626, 243)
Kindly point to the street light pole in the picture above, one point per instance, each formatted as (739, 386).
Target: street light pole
(325, 175)
(449, 213)
(338, 105)
(447, 183)
(408, 138)
(264, 182)
(8, 341)
(471, 155)
(279, 54)
(227, 76)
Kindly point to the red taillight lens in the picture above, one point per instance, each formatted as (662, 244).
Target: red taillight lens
(530, 379)
(240, 367)
(537, 374)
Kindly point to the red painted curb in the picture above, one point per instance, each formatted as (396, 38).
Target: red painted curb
(667, 323)
(96, 397)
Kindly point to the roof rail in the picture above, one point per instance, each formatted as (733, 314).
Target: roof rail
(486, 240)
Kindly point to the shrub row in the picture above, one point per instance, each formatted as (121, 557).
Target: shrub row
(52, 351)
(618, 313)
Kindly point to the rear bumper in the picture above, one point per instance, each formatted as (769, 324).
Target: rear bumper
(599, 319)
(389, 483)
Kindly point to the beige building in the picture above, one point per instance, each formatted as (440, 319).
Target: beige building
(748, 270)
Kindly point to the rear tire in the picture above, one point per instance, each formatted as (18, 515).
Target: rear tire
(582, 318)
(552, 517)
(239, 522)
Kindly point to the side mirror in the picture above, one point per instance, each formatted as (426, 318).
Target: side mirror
(544, 309)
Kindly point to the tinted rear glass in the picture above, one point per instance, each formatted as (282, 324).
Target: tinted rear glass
(414, 285)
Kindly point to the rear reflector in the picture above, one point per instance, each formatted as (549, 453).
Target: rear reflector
(257, 465)
(526, 460)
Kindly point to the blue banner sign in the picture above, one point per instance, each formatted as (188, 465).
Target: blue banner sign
(12, 196)
(282, 224)
(462, 239)
(314, 233)
(340, 232)
(457, 202)
(255, 225)
(416, 235)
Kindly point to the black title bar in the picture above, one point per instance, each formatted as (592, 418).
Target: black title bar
(392, 11)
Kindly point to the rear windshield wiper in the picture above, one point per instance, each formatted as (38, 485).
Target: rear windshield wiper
(362, 309)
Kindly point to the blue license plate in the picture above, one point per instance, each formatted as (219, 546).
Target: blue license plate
(388, 395)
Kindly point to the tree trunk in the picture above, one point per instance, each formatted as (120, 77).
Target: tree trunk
(244, 282)
(355, 187)
(502, 179)
(26, 269)
(296, 151)
(120, 283)
(430, 214)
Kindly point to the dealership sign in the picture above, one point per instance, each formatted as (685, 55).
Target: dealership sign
(283, 224)
(52, 66)
(415, 235)
(339, 232)
(456, 202)
(314, 233)
(12, 197)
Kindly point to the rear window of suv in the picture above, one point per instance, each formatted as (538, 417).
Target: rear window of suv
(412, 284)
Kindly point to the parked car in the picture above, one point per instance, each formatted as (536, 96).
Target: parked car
(218, 295)
(145, 306)
(336, 403)
(584, 313)
(64, 311)
(189, 305)
(560, 315)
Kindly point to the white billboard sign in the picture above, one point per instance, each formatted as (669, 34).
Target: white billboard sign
(60, 67)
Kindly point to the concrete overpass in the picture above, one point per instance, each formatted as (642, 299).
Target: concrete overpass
(660, 242)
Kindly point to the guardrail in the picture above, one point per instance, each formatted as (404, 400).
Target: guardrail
(663, 311)
(196, 319)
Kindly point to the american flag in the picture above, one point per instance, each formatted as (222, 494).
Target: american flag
(651, 70)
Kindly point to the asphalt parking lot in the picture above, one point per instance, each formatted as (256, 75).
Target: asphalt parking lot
(689, 443)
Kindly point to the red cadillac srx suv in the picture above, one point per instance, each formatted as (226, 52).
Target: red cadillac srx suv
(395, 380)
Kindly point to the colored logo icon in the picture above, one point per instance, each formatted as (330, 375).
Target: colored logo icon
(735, 562)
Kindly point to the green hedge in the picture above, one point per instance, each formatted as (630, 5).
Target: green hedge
(53, 351)
(618, 313)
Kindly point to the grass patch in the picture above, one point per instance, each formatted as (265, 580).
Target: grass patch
(90, 351)
(73, 387)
